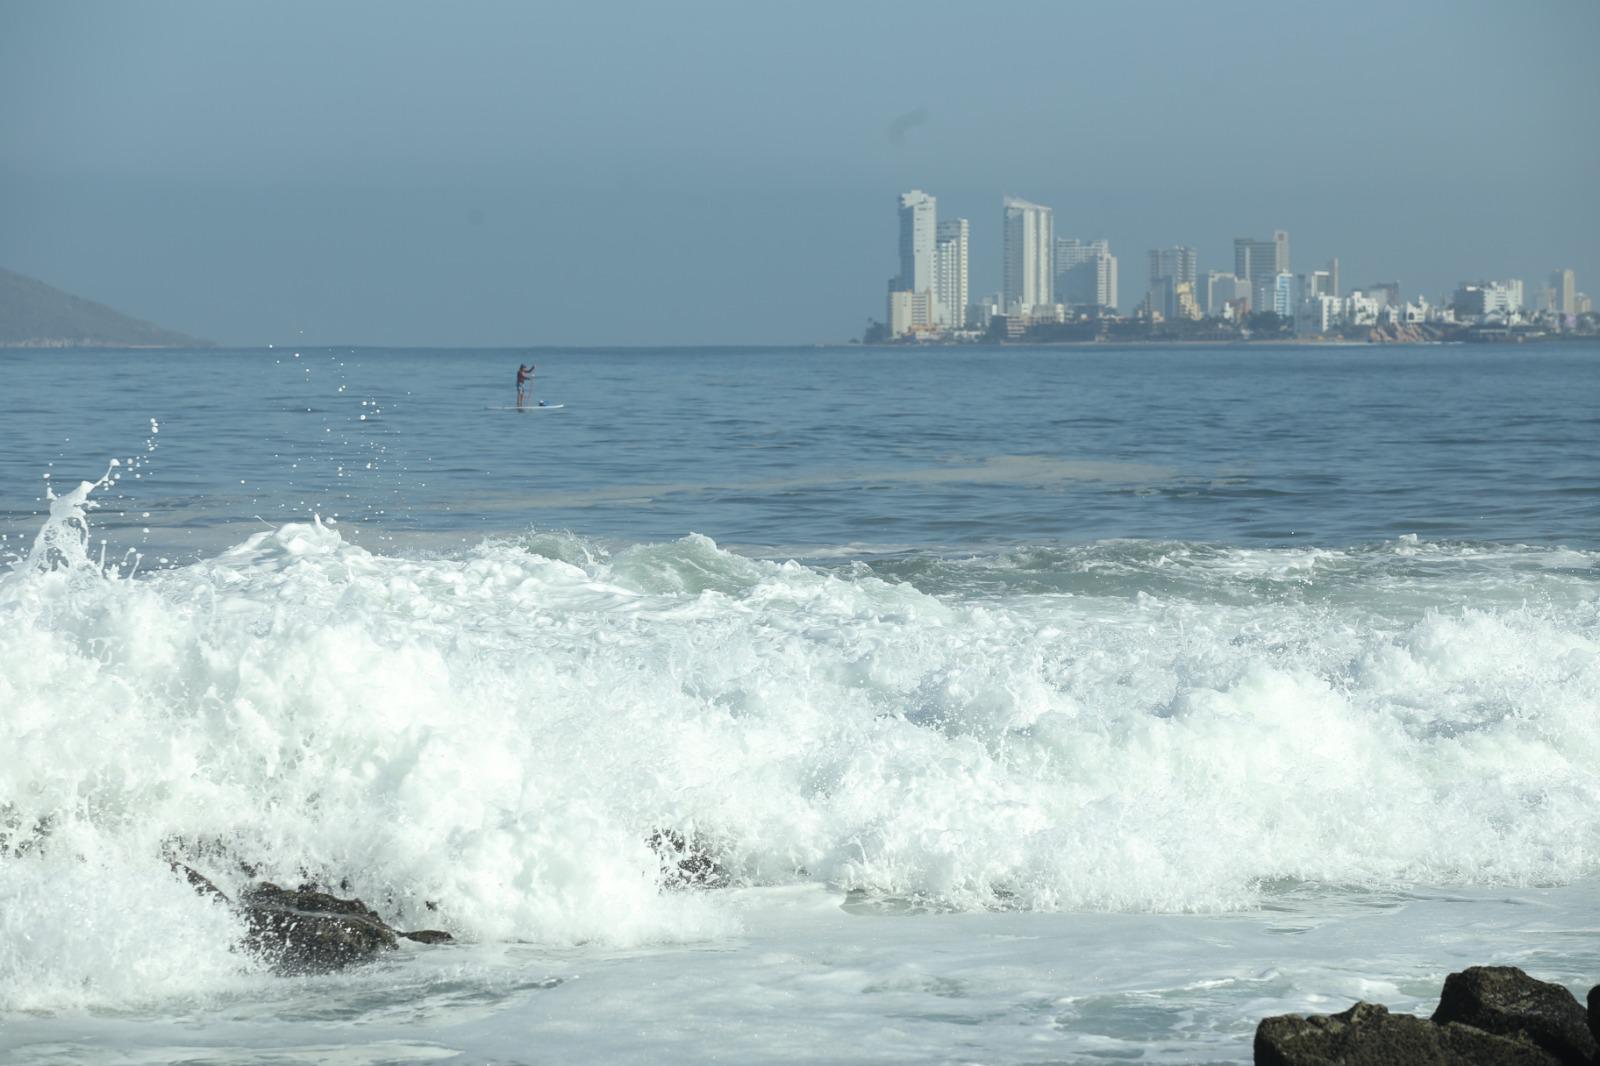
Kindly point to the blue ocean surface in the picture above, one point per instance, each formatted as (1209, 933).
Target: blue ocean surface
(1034, 705)
(799, 449)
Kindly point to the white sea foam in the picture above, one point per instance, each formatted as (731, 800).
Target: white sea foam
(485, 742)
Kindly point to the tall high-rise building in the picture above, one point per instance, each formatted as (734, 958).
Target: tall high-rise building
(1260, 263)
(1029, 251)
(1333, 276)
(919, 266)
(1177, 262)
(918, 235)
(951, 271)
(1172, 271)
(1565, 284)
(1283, 295)
(1086, 274)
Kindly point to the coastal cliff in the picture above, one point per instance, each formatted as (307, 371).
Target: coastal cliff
(36, 315)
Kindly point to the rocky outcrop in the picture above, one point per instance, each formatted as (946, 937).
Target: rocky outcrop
(1489, 1015)
(686, 862)
(304, 930)
(311, 932)
(1368, 1035)
(1504, 1000)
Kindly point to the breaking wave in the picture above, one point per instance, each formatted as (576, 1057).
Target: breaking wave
(485, 741)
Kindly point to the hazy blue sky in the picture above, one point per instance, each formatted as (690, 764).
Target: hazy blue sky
(637, 173)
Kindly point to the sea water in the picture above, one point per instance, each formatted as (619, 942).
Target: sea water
(1038, 705)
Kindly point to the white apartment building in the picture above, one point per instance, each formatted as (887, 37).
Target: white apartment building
(1482, 299)
(1029, 255)
(910, 312)
(919, 266)
(1319, 314)
(919, 216)
(951, 272)
(1283, 296)
(1415, 313)
(1362, 309)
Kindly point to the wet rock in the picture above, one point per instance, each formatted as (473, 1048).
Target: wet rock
(198, 881)
(1505, 1000)
(1368, 1035)
(685, 862)
(311, 932)
(1594, 1015)
(17, 837)
(305, 930)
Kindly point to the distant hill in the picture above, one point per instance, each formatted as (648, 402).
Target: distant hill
(35, 315)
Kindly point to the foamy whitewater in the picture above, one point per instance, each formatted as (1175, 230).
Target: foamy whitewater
(1037, 802)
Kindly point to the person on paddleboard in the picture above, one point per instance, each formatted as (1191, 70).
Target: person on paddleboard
(524, 382)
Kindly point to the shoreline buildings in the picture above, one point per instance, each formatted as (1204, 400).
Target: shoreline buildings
(1060, 288)
(930, 292)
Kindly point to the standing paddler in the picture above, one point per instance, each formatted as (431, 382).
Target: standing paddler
(524, 382)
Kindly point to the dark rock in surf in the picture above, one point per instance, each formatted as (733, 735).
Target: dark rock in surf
(304, 930)
(1594, 1015)
(1505, 1000)
(685, 862)
(311, 932)
(1368, 1035)
(198, 881)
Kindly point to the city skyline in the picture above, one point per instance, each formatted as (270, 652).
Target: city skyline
(1051, 282)
(393, 175)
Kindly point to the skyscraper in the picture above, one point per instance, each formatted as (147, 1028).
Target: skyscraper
(1171, 268)
(1085, 274)
(1565, 284)
(918, 234)
(1029, 251)
(951, 271)
(1283, 296)
(1260, 263)
(1177, 262)
(918, 266)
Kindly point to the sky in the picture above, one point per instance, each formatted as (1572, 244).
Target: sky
(496, 173)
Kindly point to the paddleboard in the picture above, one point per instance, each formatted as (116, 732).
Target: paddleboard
(532, 407)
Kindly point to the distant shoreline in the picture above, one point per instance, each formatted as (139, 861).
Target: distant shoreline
(1264, 342)
(1108, 345)
(37, 346)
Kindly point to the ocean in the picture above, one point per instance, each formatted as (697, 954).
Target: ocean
(1036, 705)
